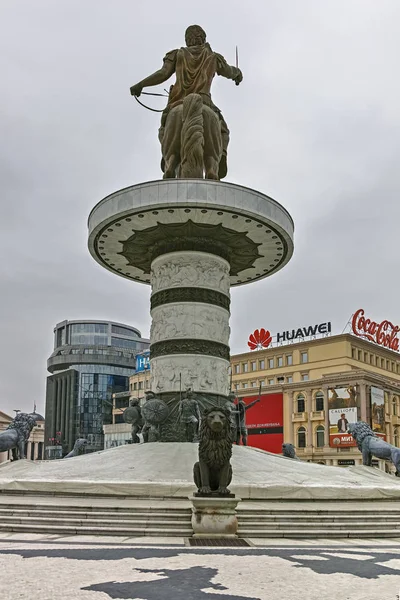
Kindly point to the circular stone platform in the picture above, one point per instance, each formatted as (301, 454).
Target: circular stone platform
(165, 470)
(256, 231)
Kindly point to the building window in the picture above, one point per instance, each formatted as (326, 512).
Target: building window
(304, 377)
(253, 384)
(290, 379)
(262, 364)
(135, 385)
(123, 331)
(353, 353)
(280, 361)
(245, 385)
(271, 381)
(301, 437)
(289, 360)
(237, 369)
(320, 431)
(121, 343)
(253, 365)
(365, 357)
(319, 401)
(394, 406)
(262, 383)
(301, 403)
(396, 437)
(304, 357)
(270, 363)
(236, 386)
(245, 367)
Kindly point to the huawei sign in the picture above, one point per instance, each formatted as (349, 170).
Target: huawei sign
(384, 333)
(259, 339)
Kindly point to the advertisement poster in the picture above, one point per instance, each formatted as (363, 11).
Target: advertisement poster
(264, 422)
(342, 404)
(377, 410)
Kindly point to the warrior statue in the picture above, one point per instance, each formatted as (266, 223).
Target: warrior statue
(231, 408)
(189, 416)
(241, 430)
(155, 411)
(193, 134)
(133, 416)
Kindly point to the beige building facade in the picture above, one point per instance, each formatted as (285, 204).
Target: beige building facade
(304, 372)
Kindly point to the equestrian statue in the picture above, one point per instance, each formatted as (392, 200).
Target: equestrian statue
(193, 134)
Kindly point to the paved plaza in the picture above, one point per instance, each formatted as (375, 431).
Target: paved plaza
(34, 566)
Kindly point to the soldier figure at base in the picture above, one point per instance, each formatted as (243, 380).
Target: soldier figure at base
(189, 416)
(241, 430)
(231, 407)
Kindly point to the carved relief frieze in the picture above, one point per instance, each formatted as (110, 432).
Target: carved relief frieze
(188, 320)
(201, 373)
(190, 269)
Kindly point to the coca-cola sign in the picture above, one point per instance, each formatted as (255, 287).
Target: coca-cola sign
(384, 333)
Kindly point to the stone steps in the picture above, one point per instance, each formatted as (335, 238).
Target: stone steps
(94, 515)
(293, 533)
(96, 530)
(132, 517)
(293, 518)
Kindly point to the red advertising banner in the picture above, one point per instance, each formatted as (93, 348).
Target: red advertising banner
(264, 422)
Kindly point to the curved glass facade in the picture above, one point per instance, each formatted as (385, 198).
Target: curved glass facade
(79, 395)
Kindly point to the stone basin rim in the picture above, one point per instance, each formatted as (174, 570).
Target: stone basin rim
(184, 181)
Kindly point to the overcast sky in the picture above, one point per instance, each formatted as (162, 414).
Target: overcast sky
(315, 125)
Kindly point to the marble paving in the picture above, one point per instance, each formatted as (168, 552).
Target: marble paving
(93, 568)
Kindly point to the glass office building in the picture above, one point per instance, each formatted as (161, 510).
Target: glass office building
(91, 361)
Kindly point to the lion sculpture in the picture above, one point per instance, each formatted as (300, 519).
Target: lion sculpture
(17, 434)
(289, 451)
(371, 445)
(213, 472)
(78, 449)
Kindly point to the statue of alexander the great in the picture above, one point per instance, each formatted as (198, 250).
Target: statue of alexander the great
(193, 134)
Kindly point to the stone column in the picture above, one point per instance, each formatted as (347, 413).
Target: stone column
(36, 451)
(190, 323)
(58, 408)
(310, 440)
(363, 401)
(62, 410)
(326, 416)
(289, 429)
(28, 450)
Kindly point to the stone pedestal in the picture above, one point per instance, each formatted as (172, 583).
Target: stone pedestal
(214, 517)
(190, 239)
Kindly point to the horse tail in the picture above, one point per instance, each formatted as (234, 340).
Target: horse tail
(192, 137)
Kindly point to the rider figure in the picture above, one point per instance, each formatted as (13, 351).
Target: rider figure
(195, 67)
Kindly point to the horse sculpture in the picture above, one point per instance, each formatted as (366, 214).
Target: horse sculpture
(191, 140)
(17, 434)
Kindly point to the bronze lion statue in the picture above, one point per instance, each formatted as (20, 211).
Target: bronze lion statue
(371, 445)
(213, 472)
(289, 451)
(78, 449)
(17, 434)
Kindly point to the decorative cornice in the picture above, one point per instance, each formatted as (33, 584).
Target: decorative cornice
(145, 245)
(190, 294)
(189, 346)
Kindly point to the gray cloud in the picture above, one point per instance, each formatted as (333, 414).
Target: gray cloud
(315, 124)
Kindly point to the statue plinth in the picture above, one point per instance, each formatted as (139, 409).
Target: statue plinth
(191, 240)
(214, 517)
